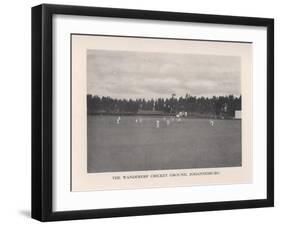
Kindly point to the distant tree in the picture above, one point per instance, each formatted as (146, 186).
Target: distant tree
(217, 105)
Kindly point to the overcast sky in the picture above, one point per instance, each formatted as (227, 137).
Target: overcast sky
(124, 74)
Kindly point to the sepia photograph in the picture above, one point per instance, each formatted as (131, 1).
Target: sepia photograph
(162, 111)
(150, 112)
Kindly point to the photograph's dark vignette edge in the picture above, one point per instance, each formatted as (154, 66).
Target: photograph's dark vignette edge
(42, 196)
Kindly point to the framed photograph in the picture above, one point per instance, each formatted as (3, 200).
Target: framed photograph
(145, 112)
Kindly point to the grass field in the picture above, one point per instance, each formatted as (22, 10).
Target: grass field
(185, 144)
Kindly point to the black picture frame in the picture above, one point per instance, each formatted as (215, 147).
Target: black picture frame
(42, 107)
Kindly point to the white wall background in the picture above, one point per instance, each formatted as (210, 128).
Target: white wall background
(15, 113)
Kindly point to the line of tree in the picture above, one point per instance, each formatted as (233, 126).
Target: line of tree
(217, 105)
